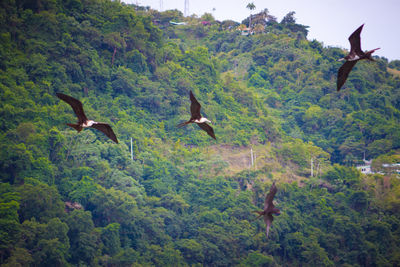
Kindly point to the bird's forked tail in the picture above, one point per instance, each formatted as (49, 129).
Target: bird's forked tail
(183, 124)
(75, 126)
(260, 213)
(369, 54)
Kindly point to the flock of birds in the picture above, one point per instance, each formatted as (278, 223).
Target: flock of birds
(351, 59)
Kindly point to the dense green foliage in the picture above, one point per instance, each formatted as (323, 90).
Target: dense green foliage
(69, 199)
(296, 78)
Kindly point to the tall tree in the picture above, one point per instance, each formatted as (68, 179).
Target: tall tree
(250, 6)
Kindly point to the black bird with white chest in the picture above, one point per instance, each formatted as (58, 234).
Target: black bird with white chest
(355, 55)
(197, 118)
(269, 208)
(83, 121)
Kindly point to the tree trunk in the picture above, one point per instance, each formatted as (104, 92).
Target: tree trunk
(113, 57)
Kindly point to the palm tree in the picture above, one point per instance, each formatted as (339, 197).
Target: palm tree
(250, 6)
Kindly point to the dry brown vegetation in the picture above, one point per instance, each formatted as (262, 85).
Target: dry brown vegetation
(394, 72)
(238, 159)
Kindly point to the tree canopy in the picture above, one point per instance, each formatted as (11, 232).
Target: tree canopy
(78, 199)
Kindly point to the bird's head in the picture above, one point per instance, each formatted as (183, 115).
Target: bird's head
(276, 211)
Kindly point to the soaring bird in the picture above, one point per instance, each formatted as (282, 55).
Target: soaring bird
(269, 208)
(197, 118)
(83, 121)
(355, 55)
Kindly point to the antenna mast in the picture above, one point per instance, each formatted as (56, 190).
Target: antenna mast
(186, 13)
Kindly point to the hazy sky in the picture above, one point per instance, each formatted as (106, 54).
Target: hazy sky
(330, 21)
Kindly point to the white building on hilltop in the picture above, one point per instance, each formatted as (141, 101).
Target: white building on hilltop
(385, 169)
(366, 167)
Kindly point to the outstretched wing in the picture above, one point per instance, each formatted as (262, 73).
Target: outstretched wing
(355, 42)
(76, 106)
(208, 129)
(268, 205)
(268, 222)
(343, 73)
(194, 107)
(106, 129)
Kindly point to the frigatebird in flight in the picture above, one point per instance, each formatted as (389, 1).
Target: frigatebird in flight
(83, 121)
(197, 118)
(269, 208)
(355, 55)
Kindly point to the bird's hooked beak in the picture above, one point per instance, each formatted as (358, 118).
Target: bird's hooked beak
(341, 59)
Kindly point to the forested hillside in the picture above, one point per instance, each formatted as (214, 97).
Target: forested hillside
(78, 199)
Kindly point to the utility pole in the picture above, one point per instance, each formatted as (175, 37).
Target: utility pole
(131, 150)
(161, 5)
(186, 12)
(312, 167)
